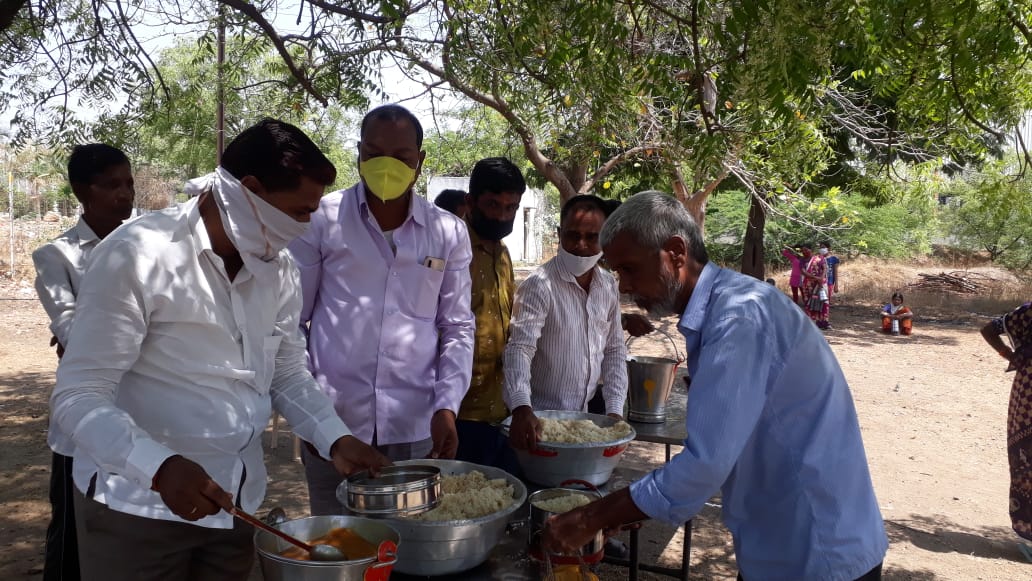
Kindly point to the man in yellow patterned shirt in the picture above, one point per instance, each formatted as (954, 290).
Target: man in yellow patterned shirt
(495, 189)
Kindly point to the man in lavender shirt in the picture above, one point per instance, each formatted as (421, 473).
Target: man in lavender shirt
(385, 277)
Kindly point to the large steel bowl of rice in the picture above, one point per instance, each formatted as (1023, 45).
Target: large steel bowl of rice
(574, 446)
(450, 539)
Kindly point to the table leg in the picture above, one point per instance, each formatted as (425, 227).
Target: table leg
(686, 550)
(668, 452)
(632, 570)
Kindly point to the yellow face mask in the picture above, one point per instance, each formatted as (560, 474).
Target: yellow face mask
(388, 178)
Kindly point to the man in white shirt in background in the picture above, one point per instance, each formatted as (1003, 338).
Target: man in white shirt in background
(565, 334)
(385, 279)
(184, 341)
(102, 181)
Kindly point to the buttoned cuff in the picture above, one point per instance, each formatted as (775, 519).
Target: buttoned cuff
(615, 407)
(517, 399)
(327, 432)
(144, 460)
(646, 494)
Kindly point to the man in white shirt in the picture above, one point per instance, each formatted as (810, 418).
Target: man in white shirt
(184, 341)
(102, 181)
(565, 333)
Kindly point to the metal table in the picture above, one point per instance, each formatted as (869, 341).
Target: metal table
(510, 561)
(670, 433)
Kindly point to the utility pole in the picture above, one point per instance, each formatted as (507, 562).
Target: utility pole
(220, 91)
(10, 206)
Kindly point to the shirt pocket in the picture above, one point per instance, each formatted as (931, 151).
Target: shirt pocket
(424, 291)
(266, 367)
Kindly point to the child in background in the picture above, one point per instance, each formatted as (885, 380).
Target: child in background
(832, 261)
(896, 318)
(795, 280)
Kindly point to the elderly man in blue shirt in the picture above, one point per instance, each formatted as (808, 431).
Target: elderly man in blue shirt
(770, 418)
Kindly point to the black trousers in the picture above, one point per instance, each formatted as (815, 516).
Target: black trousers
(872, 575)
(61, 556)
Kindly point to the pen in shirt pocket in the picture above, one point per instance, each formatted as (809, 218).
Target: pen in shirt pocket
(434, 263)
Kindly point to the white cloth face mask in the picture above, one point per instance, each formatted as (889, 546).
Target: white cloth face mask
(577, 265)
(255, 227)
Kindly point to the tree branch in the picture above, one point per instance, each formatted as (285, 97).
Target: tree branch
(963, 104)
(256, 16)
(616, 160)
(1021, 26)
(364, 17)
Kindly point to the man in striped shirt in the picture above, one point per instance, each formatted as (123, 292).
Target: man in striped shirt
(565, 333)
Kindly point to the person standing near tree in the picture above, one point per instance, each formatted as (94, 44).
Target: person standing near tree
(815, 287)
(795, 278)
(832, 261)
(385, 277)
(102, 181)
(496, 187)
(185, 339)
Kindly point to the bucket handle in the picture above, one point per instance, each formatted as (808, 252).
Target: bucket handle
(677, 354)
(583, 483)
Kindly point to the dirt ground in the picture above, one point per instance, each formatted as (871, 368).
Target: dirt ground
(932, 408)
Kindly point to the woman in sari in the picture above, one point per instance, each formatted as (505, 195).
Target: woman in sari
(815, 287)
(897, 318)
(1017, 325)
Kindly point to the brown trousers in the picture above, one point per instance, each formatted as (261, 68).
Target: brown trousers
(115, 546)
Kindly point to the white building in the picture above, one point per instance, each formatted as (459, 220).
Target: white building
(525, 241)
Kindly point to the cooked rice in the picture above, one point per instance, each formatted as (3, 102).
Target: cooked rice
(581, 431)
(470, 495)
(561, 504)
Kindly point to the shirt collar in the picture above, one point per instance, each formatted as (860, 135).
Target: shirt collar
(416, 211)
(85, 233)
(695, 312)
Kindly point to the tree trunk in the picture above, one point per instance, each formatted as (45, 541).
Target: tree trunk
(695, 203)
(752, 253)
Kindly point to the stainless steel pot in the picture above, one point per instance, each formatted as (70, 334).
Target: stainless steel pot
(446, 547)
(398, 490)
(591, 552)
(552, 463)
(278, 568)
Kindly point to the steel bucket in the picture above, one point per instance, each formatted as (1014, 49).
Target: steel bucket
(649, 381)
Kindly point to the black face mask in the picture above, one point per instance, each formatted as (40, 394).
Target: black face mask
(489, 228)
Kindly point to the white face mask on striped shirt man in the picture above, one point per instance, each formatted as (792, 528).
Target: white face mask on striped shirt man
(577, 265)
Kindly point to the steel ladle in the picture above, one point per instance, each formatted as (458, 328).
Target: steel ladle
(315, 552)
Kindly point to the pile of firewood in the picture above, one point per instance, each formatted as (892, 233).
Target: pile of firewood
(953, 282)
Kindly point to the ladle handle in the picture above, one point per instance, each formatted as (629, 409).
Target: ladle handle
(260, 524)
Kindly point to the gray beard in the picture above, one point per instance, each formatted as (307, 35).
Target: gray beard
(666, 306)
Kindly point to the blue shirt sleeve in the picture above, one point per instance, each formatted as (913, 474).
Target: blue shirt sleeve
(728, 395)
